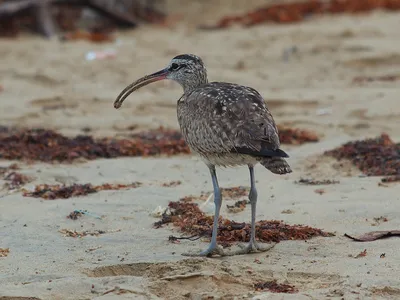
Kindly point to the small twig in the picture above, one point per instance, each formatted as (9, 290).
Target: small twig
(195, 237)
(118, 291)
(186, 276)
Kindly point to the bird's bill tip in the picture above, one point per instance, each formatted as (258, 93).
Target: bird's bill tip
(160, 75)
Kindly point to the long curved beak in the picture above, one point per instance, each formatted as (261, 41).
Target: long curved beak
(160, 75)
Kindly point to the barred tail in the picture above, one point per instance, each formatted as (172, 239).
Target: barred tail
(276, 165)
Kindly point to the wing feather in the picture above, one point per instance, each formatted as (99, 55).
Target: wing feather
(239, 121)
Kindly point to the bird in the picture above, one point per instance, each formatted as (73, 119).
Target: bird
(226, 125)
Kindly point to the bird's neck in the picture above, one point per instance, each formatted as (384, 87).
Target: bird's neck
(190, 85)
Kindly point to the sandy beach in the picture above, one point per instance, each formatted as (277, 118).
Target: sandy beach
(305, 72)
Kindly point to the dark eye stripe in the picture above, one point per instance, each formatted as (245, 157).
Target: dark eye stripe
(175, 67)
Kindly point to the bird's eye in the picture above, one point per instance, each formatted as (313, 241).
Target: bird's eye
(174, 67)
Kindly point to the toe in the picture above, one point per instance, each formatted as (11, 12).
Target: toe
(208, 252)
(264, 248)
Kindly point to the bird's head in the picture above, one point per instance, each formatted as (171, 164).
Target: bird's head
(186, 69)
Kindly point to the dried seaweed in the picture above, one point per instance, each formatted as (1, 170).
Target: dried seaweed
(308, 181)
(235, 192)
(191, 198)
(379, 220)
(79, 213)
(296, 136)
(361, 254)
(172, 183)
(393, 178)
(275, 287)
(74, 215)
(80, 234)
(14, 180)
(51, 192)
(299, 11)
(50, 146)
(363, 79)
(239, 206)
(374, 157)
(191, 220)
(165, 219)
(4, 252)
(5, 170)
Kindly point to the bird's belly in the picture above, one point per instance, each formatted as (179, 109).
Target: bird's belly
(228, 159)
(206, 141)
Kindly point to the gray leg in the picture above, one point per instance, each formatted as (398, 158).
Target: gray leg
(253, 202)
(252, 245)
(213, 247)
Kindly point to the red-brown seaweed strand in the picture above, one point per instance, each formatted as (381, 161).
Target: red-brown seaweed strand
(298, 11)
(13, 179)
(50, 146)
(191, 220)
(51, 192)
(374, 157)
(275, 287)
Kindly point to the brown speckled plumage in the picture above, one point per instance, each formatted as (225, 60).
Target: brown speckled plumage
(226, 124)
(229, 124)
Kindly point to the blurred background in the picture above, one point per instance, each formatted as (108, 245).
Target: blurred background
(325, 65)
(329, 71)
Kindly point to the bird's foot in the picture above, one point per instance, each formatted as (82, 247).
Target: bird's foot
(252, 247)
(210, 251)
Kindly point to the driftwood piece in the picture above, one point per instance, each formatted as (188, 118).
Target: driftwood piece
(374, 235)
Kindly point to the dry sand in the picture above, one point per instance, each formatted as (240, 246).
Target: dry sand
(50, 84)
